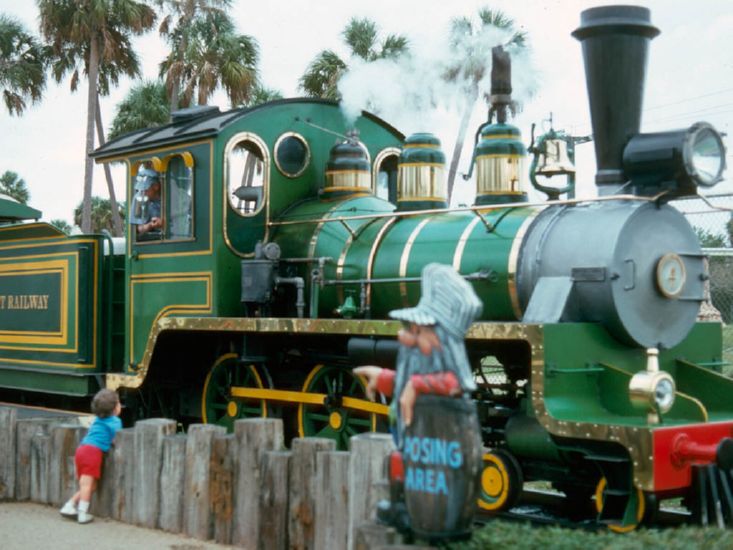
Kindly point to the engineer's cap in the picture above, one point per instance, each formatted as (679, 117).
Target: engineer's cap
(145, 178)
(446, 299)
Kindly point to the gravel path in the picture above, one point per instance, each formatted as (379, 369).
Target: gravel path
(25, 526)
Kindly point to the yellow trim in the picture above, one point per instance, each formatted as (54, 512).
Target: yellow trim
(615, 527)
(340, 266)
(308, 398)
(158, 165)
(200, 276)
(226, 203)
(59, 337)
(220, 360)
(462, 241)
(405, 258)
(317, 231)
(373, 254)
(512, 264)
(422, 199)
(74, 253)
(343, 172)
(501, 136)
(204, 189)
(364, 190)
(500, 156)
(307, 162)
(383, 155)
(493, 462)
(187, 159)
(493, 193)
(421, 164)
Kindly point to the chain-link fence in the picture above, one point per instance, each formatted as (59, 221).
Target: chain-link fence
(711, 218)
(713, 221)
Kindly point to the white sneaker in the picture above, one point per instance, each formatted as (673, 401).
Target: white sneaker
(85, 517)
(69, 510)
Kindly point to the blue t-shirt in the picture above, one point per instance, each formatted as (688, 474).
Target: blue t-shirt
(102, 432)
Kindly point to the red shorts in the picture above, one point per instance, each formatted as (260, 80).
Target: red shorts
(88, 460)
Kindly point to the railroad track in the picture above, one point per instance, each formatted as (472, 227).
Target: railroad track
(550, 508)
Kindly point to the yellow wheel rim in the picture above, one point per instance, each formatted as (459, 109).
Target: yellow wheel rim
(495, 483)
(617, 527)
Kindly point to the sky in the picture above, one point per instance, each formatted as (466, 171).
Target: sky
(689, 78)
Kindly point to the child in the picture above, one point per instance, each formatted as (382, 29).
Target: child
(88, 458)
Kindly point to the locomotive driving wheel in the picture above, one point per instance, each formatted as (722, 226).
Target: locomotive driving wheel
(637, 500)
(335, 418)
(217, 404)
(501, 481)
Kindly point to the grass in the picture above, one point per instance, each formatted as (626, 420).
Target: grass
(503, 534)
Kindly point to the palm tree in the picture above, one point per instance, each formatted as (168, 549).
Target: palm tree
(14, 186)
(22, 66)
(362, 36)
(474, 52)
(61, 225)
(145, 105)
(93, 35)
(101, 214)
(261, 94)
(206, 53)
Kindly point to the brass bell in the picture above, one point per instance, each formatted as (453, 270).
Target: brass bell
(554, 160)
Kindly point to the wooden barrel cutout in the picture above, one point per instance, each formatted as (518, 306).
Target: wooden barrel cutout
(442, 458)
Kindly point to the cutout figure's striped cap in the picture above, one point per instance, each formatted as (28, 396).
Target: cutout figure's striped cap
(446, 299)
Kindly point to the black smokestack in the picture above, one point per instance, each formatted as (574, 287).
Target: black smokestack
(615, 42)
(501, 82)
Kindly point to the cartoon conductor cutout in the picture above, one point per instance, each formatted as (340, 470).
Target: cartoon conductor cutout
(432, 356)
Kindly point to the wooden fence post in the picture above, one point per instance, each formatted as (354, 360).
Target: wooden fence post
(149, 436)
(332, 500)
(303, 489)
(123, 476)
(25, 429)
(255, 436)
(105, 495)
(274, 501)
(223, 461)
(197, 514)
(172, 479)
(370, 535)
(8, 420)
(366, 474)
(40, 467)
(65, 439)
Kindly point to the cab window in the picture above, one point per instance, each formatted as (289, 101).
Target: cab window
(146, 214)
(385, 174)
(179, 203)
(246, 174)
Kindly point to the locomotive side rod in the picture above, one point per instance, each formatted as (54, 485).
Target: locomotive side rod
(307, 398)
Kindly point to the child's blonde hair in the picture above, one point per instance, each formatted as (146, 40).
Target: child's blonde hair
(104, 403)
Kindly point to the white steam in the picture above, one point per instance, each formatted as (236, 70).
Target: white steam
(412, 92)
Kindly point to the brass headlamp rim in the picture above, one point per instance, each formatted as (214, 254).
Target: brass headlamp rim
(642, 390)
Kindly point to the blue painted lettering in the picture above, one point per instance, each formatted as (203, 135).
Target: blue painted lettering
(455, 457)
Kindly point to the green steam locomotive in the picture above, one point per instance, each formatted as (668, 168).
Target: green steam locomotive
(280, 254)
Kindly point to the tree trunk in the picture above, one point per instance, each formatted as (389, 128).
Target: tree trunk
(86, 211)
(458, 149)
(116, 219)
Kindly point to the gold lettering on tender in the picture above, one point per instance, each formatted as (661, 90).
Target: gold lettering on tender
(24, 301)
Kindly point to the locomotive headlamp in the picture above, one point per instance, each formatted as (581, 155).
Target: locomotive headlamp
(677, 161)
(651, 389)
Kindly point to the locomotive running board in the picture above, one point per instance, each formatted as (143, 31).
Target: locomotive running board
(308, 398)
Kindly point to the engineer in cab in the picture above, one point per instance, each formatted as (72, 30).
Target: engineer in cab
(146, 207)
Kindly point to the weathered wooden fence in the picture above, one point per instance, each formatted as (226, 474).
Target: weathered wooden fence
(243, 489)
